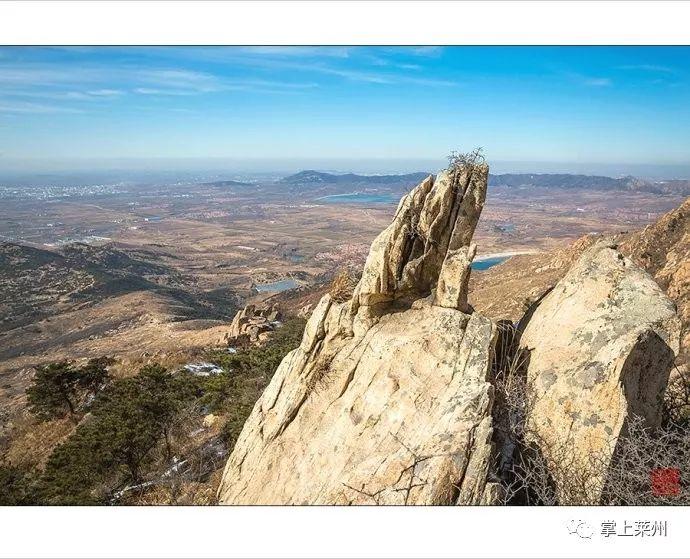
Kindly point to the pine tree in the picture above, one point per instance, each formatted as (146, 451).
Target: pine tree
(59, 388)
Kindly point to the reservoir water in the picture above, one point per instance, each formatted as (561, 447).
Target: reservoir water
(488, 263)
(281, 285)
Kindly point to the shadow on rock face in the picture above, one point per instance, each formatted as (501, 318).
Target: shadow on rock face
(645, 375)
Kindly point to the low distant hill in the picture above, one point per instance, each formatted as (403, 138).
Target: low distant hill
(559, 181)
(593, 182)
(225, 184)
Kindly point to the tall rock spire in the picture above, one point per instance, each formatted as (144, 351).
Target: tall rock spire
(437, 217)
(387, 399)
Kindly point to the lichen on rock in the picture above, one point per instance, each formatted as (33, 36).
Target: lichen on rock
(601, 345)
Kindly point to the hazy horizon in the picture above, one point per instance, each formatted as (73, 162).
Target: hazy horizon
(281, 167)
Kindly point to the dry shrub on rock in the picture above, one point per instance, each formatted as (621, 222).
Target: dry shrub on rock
(527, 464)
(677, 398)
(342, 286)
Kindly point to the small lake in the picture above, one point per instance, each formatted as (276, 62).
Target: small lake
(488, 262)
(281, 285)
(361, 198)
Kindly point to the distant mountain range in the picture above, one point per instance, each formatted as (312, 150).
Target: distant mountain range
(312, 179)
(560, 181)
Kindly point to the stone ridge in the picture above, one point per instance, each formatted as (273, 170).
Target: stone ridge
(438, 216)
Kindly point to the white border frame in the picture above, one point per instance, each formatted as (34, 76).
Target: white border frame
(306, 532)
(317, 22)
(317, 531)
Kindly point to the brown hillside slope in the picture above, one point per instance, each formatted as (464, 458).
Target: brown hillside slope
(662, 249)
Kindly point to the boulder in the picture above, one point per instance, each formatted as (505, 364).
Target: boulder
(599, 347)
(252, 324)
(387, 400)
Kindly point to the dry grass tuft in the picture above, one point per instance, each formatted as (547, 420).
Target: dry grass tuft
(319, 373)
(342, 286)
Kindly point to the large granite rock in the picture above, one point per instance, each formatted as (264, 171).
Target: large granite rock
(387, 399)
(601, 345)
(434, 221)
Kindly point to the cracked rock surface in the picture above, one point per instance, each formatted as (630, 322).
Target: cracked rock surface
(601, 345)
(387, 400)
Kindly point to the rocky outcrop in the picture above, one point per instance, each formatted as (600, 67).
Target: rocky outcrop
(433, 222)
(252, 324)
(387, 400)
(600, 348)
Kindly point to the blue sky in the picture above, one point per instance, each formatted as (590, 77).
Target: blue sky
(625, 105)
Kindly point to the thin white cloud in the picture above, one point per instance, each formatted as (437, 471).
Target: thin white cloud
(654, 68)
(377, 63)
(239, 85)
(34, 108)
(354, 75)
(429, 51)
(21, 82)
(47, 93)
(387, 63)
(588, 81)
(431, 82)
(597, 82)
(40, 75)
(60, 82)
(157, 91)
(105, 93)
(91, 95)
(357, 75)
(180, 79)
(305, 59)
(384, 78)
